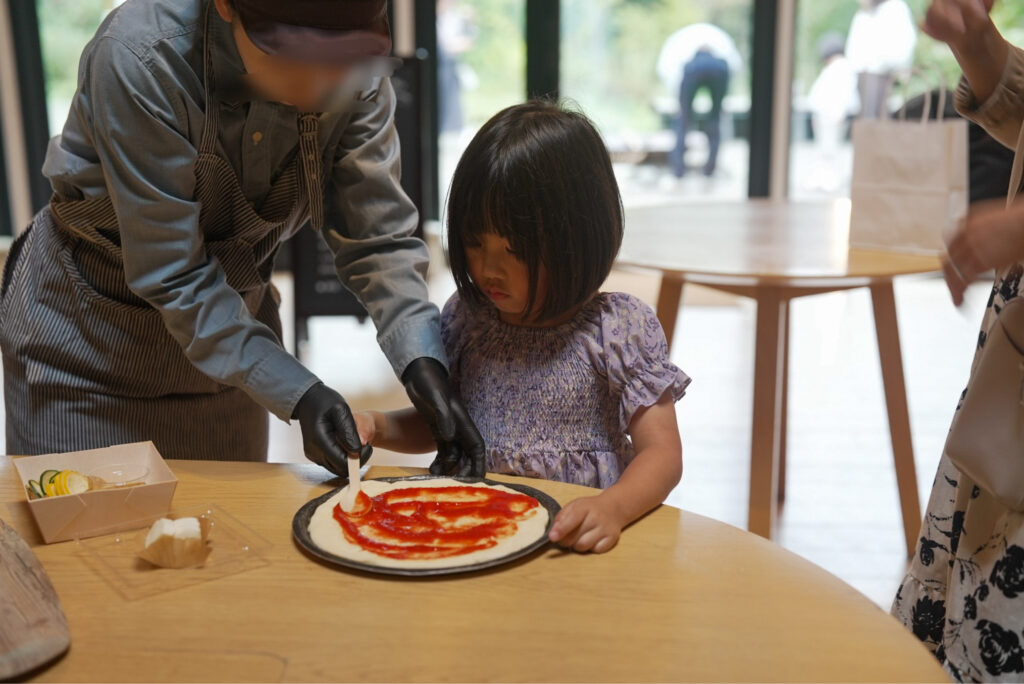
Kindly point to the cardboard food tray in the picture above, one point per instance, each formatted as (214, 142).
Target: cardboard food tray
(102, 511)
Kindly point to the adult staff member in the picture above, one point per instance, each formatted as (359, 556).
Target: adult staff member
(138, 305)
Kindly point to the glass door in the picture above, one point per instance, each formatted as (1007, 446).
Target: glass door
(845, 58)
(481, 50)
(668, 84)
(65, 26)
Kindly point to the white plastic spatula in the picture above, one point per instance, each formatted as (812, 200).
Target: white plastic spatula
(350, 493)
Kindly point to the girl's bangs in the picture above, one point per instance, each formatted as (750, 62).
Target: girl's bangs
(504, 215)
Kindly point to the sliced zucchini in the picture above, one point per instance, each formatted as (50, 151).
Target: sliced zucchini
(36, 489)
(45, 478)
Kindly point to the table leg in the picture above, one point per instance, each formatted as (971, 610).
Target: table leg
(764, 447)
(886, 328)
(670, 296)
(785, 402)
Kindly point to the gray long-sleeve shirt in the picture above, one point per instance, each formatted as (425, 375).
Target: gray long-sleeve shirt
(133, 133)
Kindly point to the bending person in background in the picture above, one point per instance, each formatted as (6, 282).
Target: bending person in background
(963, 595)
(698, 56)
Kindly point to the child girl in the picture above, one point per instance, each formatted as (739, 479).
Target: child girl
(565, 383)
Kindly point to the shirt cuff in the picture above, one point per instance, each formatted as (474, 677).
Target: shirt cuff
(1004, 100)
(277, 383)
(415, 338)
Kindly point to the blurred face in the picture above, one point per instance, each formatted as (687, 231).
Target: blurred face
(302, 85)
(501, 276)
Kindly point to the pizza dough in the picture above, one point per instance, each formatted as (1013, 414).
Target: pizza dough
(327, 533)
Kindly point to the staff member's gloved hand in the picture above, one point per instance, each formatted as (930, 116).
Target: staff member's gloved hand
(328, 430)
(460, 448)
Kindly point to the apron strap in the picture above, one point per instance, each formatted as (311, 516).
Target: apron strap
(311, 167)
(208, 143)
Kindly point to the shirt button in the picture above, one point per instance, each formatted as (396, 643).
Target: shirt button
(256, 137)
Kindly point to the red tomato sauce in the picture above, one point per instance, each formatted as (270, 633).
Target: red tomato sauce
(419, 523)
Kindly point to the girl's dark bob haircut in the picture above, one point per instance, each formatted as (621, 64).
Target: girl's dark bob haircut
(539, 176)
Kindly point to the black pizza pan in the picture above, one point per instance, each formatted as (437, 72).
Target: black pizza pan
(300, 530)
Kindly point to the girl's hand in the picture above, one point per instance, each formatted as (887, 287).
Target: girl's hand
(366, 425)
(588, 524)
(956, 22)
(991, 237)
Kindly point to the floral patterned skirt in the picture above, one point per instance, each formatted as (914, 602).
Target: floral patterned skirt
(963, 595)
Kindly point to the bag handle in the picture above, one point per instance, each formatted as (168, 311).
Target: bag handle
(922, 72)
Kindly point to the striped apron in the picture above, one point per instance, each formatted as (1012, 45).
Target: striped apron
(88, 364)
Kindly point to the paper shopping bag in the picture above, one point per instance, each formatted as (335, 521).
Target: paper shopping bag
(909, 184)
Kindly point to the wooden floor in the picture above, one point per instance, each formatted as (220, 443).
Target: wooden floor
(841, 510)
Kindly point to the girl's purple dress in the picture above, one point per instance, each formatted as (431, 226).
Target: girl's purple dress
(556, 403)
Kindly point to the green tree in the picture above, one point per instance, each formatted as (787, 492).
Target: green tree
(65, 28)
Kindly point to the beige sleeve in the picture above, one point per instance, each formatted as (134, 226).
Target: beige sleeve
(1002, 113)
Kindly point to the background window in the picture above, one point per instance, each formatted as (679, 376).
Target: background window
(481, 68)
(827, 92)
(65, 26)
(627, 63)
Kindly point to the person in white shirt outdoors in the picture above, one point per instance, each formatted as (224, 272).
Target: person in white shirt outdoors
(456, 33)
(832, 100)
(880, 45)
(695, 57)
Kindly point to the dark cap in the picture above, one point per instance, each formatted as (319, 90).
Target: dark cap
(830, 45)
(325, 31)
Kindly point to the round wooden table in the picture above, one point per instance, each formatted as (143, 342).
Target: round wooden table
(682, 597)
(774, 252)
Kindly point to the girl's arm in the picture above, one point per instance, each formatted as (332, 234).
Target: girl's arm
(403, 431)
(594, 523)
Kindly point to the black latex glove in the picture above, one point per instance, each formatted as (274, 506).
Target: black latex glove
(460, 448)
(328, 430)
